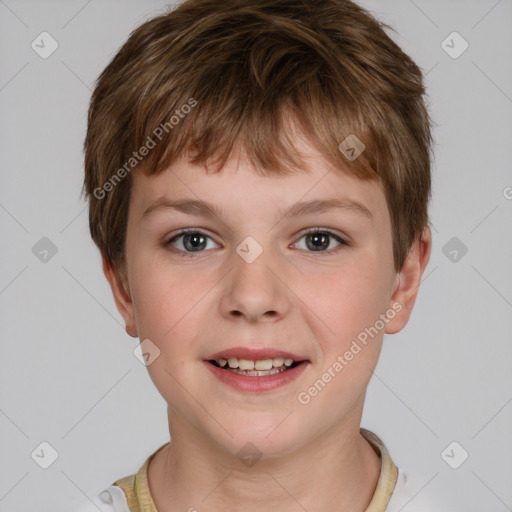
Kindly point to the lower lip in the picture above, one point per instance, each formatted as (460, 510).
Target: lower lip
(252, 384)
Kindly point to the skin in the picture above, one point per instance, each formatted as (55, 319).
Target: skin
(313, 303)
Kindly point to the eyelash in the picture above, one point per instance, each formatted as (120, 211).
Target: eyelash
(188, 254)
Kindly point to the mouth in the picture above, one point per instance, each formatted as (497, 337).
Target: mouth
(255, 368)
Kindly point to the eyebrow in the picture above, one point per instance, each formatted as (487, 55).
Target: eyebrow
(203, 208)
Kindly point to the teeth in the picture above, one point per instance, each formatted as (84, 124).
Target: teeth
(256, 373)
(233, 362)
(277, 362)
(264, 364)
(260, 365)
(245, 364)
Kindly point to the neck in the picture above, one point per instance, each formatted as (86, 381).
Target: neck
(338, 470)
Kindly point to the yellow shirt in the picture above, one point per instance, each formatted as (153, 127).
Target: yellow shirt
(139, 498)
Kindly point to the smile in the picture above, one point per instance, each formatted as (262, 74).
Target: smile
(258, 368)
(256, 376)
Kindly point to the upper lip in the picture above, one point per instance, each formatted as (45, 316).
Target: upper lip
(255, 354)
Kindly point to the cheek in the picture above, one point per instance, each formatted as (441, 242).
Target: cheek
(167, 308)
(348, 300)
(164, 303)
(348, 310)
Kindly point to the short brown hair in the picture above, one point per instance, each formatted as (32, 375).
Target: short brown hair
(243, 68)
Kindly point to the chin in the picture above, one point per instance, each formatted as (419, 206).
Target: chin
(264, 439)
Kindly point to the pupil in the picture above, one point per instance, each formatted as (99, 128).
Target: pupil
(318, 237)
(196, 244)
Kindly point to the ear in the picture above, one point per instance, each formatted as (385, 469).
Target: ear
(409, 280)
(121, 296)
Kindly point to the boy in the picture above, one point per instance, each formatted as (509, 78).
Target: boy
(258, 175)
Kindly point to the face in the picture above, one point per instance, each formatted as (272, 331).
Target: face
(318, 284)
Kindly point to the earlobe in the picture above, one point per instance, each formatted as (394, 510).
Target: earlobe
(122, 297)
(409, 279)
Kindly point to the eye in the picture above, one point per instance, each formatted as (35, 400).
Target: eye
(319, 240)
(188, 241)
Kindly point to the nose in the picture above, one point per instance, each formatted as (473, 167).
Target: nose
(255, 291)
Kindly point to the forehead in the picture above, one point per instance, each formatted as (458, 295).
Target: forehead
(239, 189)
(239, 186)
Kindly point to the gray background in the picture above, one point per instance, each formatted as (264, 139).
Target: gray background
(68, 373)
